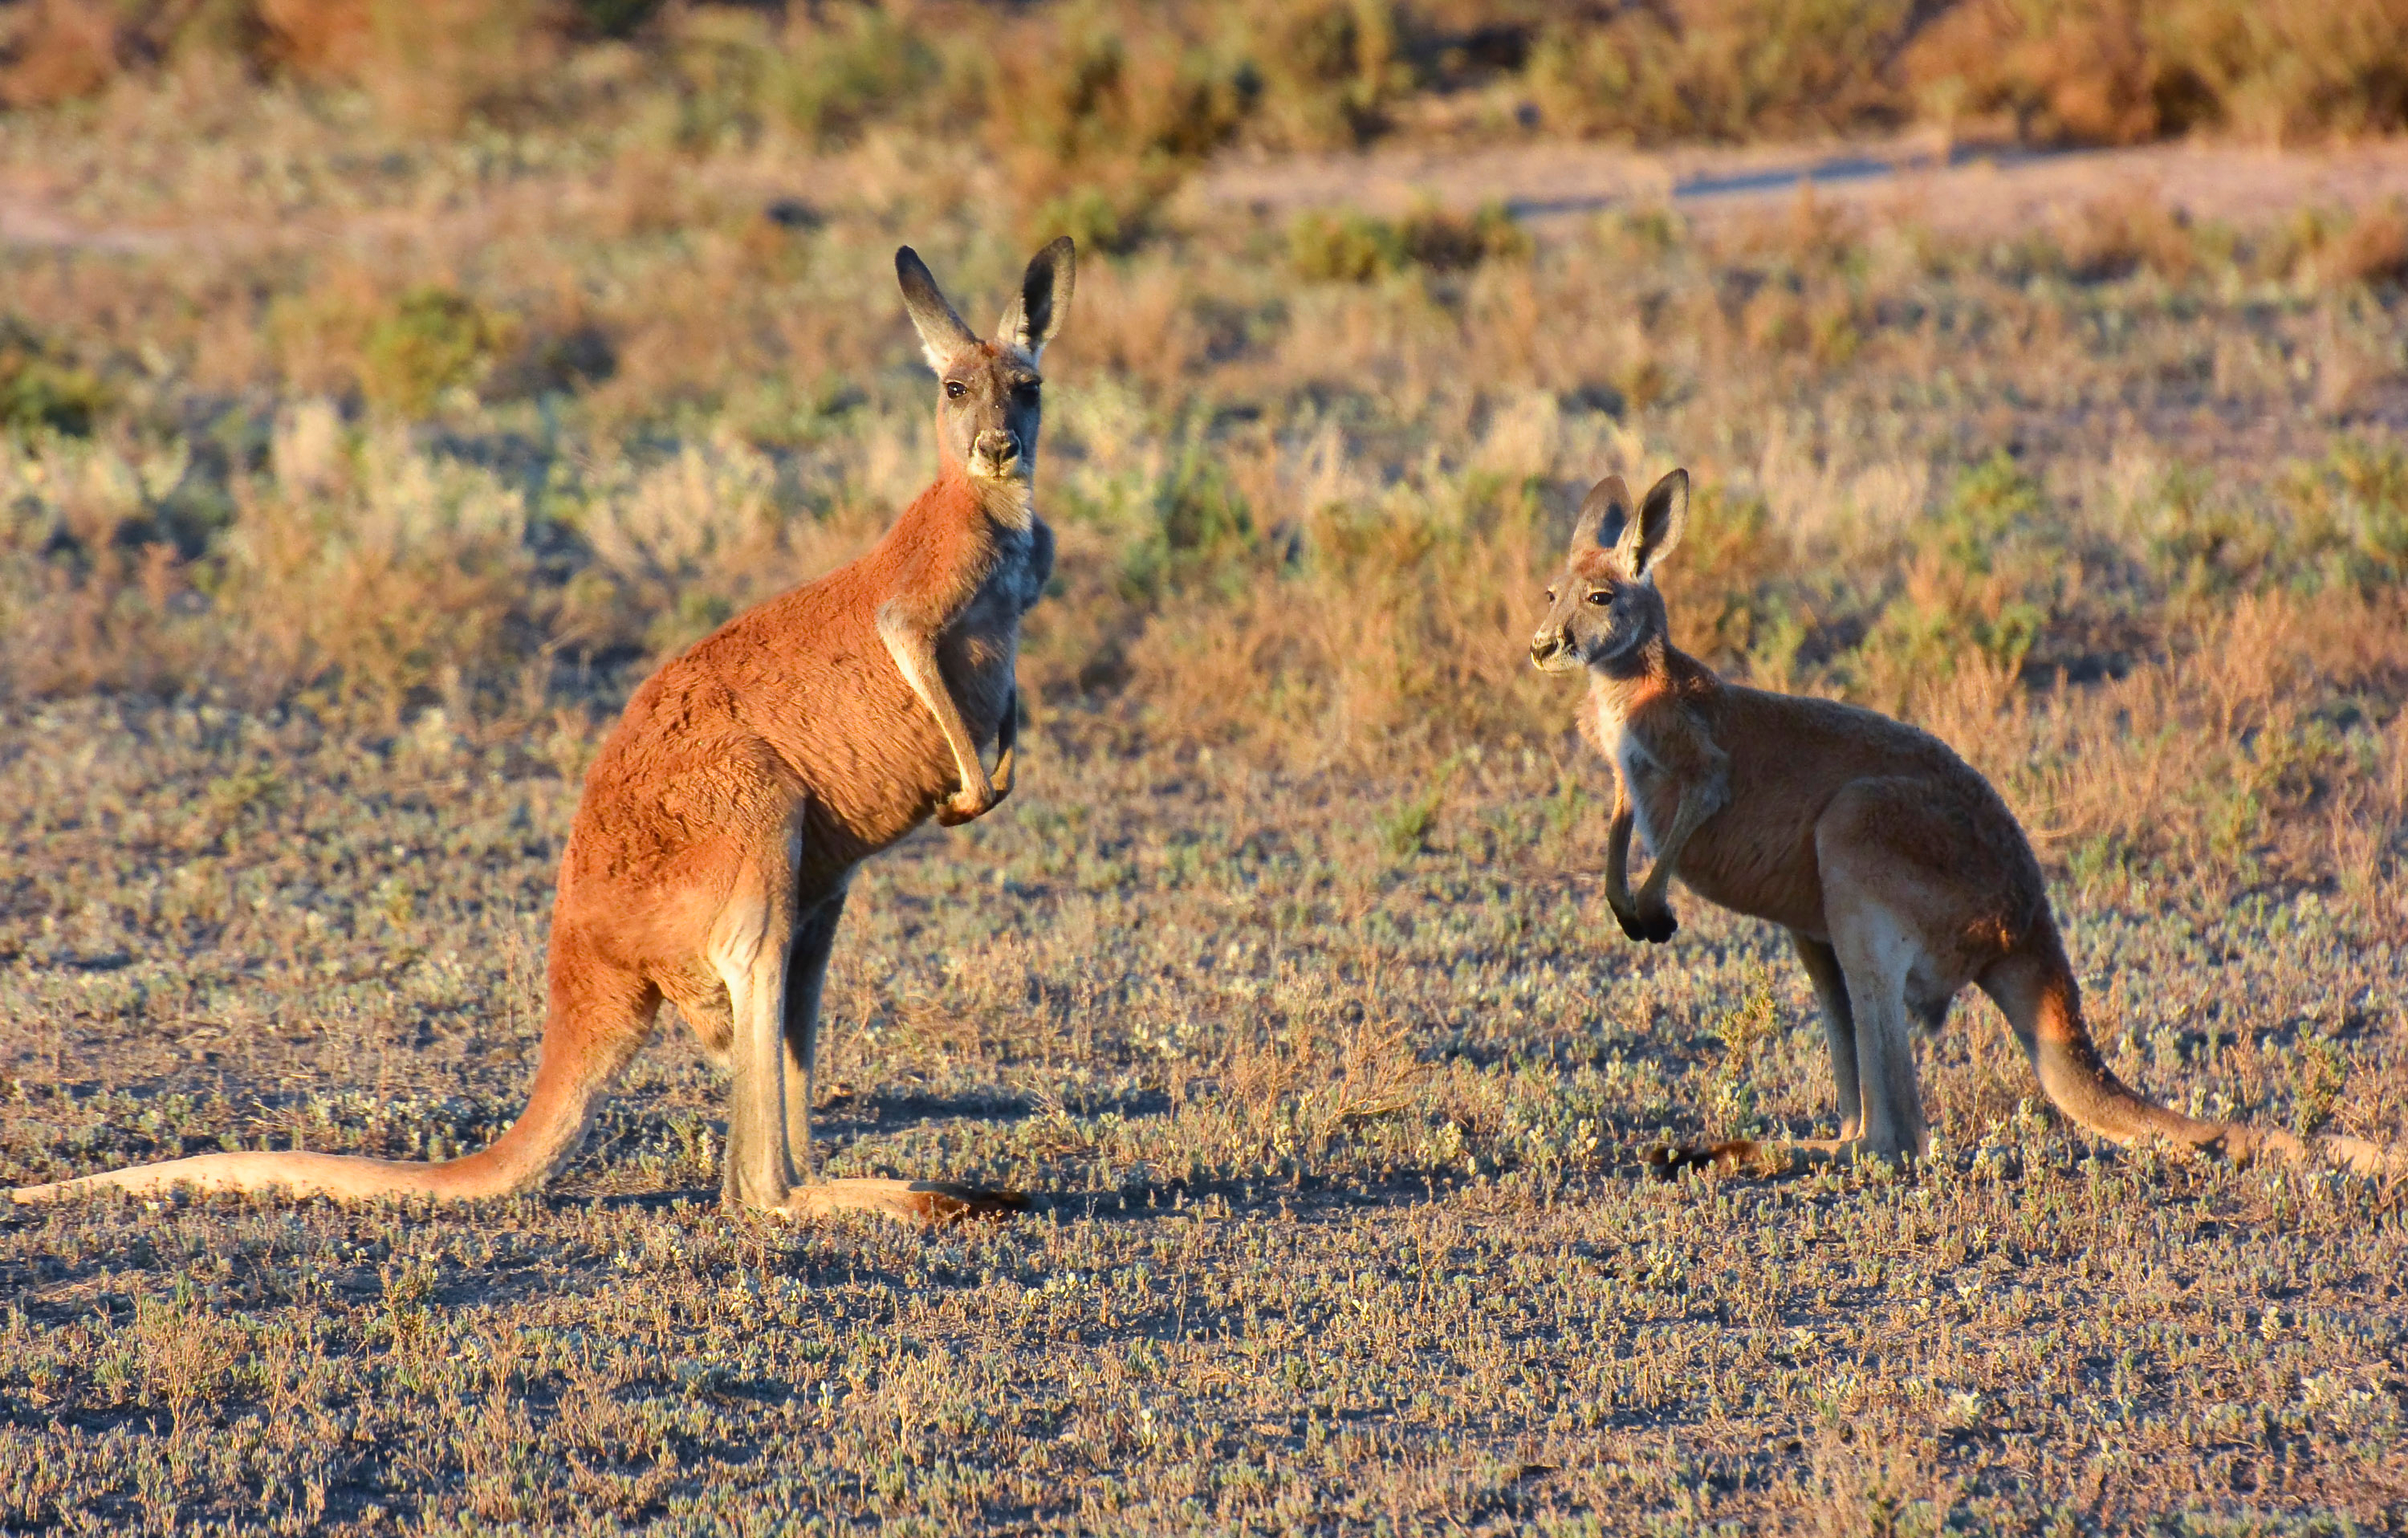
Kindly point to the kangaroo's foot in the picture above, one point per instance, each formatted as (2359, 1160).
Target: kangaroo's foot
(929, 1201)
(1666, 1161)
(1750, 1156)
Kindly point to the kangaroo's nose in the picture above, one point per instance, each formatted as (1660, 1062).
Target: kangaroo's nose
(1546, 643)
(997, 447)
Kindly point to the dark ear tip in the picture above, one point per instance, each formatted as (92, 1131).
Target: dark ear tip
(1058, 258)
(906, 259)
(1609, 490)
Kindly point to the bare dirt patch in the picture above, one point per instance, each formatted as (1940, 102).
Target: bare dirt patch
(1965, 190)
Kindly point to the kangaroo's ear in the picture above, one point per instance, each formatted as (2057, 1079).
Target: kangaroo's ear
(1661, 518)
(1603, 512)
(942, 335)
(1030, 320)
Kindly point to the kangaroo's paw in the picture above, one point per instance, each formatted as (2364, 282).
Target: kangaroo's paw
(966, 806)
(1654, 928)
(1649, 928)
(930, 1201)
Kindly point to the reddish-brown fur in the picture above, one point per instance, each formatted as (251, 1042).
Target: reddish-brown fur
(1899, 873)
(723, 817)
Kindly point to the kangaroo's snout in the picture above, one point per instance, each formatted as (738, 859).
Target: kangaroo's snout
(1547, 648)
(994, 452)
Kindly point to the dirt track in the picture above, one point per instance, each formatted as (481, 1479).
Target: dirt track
(1960, 190)
(1552, 186)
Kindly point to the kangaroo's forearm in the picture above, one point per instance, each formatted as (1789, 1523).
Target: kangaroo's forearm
(1697, 803)
(916, 656)
(1007, 739)
(1617, 852)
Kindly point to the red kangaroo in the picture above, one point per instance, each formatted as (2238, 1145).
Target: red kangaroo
(723, 817)
(1898, 870)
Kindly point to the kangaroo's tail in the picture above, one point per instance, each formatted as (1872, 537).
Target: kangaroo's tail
(583, 1049)
(2034, 989)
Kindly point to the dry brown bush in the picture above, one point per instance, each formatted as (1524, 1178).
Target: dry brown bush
(59, 50)
(2123, 71)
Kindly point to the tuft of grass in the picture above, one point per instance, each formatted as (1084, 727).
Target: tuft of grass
(1405, 828)
(433, 339)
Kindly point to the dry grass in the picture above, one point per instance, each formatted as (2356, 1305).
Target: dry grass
(343, 498)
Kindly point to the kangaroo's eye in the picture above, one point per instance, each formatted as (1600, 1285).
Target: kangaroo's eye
(1600, 597)
(955, 389)
(1026, 394)
(1551, 595)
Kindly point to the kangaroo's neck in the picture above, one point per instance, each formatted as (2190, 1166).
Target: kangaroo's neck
(1010, 501)
(958, 520)
(1653, 673)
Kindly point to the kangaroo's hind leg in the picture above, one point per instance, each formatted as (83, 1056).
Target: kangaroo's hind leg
(1882, 907)
(1821, 964)
(1874, 953)
(806, 976)
(806, 979)
(749, 951)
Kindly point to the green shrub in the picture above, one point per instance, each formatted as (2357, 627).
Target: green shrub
(1445, 242)
(1358, 248)
(434, 338)
(1344, 248)
(1203, 534)
(1722, 69)
(1095, 219)
(2353, 506)
(38, 389)
(2201, 543)
(1990, 505)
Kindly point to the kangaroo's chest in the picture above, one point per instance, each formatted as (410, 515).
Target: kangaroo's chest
(1657, 759)
(1647, 782)
(1022, 563)
(979, 648)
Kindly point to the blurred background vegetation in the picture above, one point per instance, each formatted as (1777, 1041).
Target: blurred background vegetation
(1103, 102)
(366, 358)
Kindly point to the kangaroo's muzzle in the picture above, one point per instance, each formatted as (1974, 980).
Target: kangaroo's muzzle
(994, 453)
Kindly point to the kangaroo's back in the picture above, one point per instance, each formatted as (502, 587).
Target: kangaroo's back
(1789, 758)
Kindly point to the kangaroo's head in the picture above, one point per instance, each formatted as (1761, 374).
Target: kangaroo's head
(987, 409)
(1604, 608)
